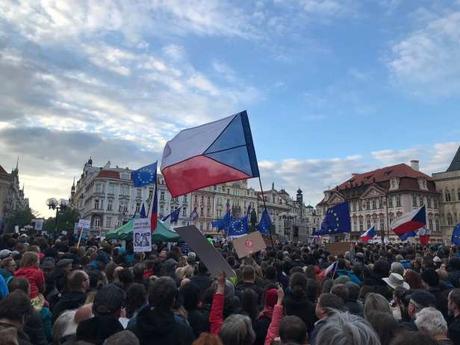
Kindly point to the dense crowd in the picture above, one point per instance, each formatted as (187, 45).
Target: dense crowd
(291, 293)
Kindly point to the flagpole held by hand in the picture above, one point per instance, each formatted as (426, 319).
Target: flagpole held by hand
(265, 207)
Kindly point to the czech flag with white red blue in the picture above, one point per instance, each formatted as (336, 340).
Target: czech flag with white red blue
(409, 222)
(368, 235)
(213, 153)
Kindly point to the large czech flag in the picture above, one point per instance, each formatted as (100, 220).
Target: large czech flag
(213, 153)
(409, 222)
(368, 235)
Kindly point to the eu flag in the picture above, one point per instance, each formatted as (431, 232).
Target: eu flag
(239, 227)
(224, 223)
(174, 216)
(145, 175)
(336, 220)
(456, 235)
(265, 223)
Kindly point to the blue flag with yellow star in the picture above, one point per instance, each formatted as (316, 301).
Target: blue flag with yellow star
(456, 235)
(145, 175)
(336, 220)
(238, 226)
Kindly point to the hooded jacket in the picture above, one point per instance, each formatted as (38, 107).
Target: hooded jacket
(155, 326)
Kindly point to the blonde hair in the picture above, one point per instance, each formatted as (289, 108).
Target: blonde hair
(29, 259)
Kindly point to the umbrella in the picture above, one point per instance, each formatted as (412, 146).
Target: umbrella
(125, 232)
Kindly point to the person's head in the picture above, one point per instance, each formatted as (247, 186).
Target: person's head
(431, 322)
(418, 300)
(397, 267)
(78, 281)
(298, 285)
(347, 329)
(207, 339)
(191, 295)
(29, 259)
(249, 303)
(430, 278)
(353, 291)
(19, 284)
(237, 330)
(136, 297)
(125, 277)
(249, 274)
(108, 301)
(293, 330)
(162, 293)
(412, 338)
(340, 290)
(15, 308)
(413, 279)
(9, 264)
(122, 338)
(327, 304)
(384, 325)
(375, 302)
(453, 302)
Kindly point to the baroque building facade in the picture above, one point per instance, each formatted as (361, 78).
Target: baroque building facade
(106, 196)
(378, 197)
(11, 195)
(448, 185)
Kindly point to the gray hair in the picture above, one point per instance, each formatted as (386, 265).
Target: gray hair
(397, 267)
(237, 330)
(375, 302)
(347, 329)
(431, 322)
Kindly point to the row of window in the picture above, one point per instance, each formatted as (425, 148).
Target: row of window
(451, 219)
(450, 195)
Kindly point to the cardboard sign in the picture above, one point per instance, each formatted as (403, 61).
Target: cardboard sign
(84, 223)
(142, 236)
(209, 255)
(338, 248)
(249, 244)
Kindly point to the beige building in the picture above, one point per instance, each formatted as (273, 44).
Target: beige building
(448, 185)
(378, 197)
(11, 195)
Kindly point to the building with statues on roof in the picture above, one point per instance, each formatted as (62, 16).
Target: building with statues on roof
(448, 185)
(11, 195)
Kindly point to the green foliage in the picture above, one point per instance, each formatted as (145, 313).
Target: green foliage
(19, 217)
(65, 221)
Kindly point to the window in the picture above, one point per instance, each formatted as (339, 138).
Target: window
(359, 206)
(390, 202)
(421, 203)
(138, 207)
(202, 200)
(414, 200)
(109, 204)
(398, 200)
(353, 206)
(111, 188)
(98, 188)
(184, 212)
(208, 212)
(430, 223)
(162, 196)
(97, 222)
(368, 222)
(374, 204)
(209, 201)
(436, 222)
(96, 204)
(430, 202)
(449, 219)
(108, 222)
(361, 227)
(201, 211)
(355, 224)
(139, 193)
(368, 204)
(447, 195)
(382, 222)
(185, 198)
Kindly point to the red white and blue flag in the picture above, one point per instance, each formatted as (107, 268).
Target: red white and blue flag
(368, 235)
(213, 153)
(409, 222)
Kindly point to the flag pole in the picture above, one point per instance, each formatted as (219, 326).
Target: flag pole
(265, 207)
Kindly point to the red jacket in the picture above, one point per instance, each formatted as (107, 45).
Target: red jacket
(274, 328)
(216, 316)
(35, 277)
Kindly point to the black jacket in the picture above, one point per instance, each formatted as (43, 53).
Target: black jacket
(301, 307)
(199, 321)
(68, 301)
(98, 328)
(154, 326)
(33, 327)
(454, 330)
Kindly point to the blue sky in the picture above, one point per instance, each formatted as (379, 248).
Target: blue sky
(331, 86)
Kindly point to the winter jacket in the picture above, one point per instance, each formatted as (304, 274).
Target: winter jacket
(301, 307)
(273, 329)
(36, 279)
(155, 326)
(98, 328)
(68, 301)
(216, 316)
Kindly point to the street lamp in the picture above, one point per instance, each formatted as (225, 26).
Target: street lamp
(54, 204)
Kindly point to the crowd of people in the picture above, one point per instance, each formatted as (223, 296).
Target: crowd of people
(53, 292)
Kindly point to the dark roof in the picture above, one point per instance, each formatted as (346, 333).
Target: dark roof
(382, 175)
(2, 171)
(455, 164)
(108, 174)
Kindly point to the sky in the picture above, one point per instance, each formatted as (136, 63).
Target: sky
(332, 87)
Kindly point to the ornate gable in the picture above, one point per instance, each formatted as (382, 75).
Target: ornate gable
(373, 191)
(335, 198)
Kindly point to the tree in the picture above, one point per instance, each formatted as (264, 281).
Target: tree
(66, 220)
(20, 218)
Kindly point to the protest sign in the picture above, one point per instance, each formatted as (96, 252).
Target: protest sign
(209, 255)
(38, 224)
(84, 223)
(249, 244)
(338, 248)
(142, 236)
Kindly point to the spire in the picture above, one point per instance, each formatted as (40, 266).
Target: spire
(17, 164)
(455, 164)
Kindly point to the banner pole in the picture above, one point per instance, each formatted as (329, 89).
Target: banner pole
(79, 237)
(265, 207)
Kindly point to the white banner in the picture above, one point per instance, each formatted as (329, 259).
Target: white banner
(84, 223)
(142, 236)
(38, 224)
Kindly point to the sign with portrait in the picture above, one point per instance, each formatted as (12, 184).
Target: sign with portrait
(142, 236)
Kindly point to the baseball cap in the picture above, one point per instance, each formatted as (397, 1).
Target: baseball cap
(4, 253)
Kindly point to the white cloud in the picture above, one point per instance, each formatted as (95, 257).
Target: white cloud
(426, 62)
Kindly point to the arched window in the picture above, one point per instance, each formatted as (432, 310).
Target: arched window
(447, 195)
(361, 227)
(436, 222)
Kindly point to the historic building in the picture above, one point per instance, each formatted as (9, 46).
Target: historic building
(11, 195)
(378, 197)
(448, 185)
(107, 197)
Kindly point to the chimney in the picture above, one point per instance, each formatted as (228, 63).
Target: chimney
(414, 164)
